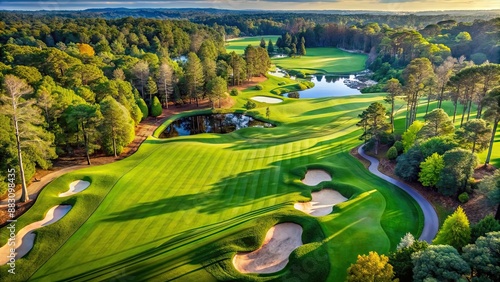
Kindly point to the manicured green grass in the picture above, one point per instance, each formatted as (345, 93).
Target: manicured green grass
(180, 208)
(324, 60)
(238, 45)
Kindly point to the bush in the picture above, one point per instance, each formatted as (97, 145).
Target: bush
(144, 108)
(234, 92)
(258, 87)
(463, 198)
(392, 153)
(399, 146)
(301, 86)
(294, 94)
(308, 84)
(277, 91)
(250, 105)
(156, 107)
(281, 83)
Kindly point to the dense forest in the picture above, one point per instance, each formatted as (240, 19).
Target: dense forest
(85, 84)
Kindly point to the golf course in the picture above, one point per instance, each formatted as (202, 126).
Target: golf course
(205, 207)
(181, 208)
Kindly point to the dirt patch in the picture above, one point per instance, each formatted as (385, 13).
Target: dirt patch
(25, 238)
(273, 255)
(322, 202)
(314, 177)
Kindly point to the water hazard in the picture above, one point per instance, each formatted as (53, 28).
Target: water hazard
(331, 86)
(215, 123)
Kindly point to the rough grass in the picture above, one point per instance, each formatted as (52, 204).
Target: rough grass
(180, 208)
(323, 61)
(238, 45)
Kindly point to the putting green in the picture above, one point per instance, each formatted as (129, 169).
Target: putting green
(238, 45)
(324, 60)
(181, 208)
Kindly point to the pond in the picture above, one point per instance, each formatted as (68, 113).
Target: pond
(332, 86)
(215, 123)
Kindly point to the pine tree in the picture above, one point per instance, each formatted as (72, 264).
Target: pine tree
(455, 230)
(270, 47)
(302, 47)
(194, 77)
(117, 127)
(376, 122)
(165, 81)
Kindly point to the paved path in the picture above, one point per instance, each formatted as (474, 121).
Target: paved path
(431, 221)
(35, 187)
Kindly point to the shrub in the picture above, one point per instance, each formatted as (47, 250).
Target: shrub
(399, 146)
(392, 153)
(277, 91)
(308, 84)
(258, 87)
(463, 198)
(234, 92)
(281, 83)
(294, 94)
(144, 108)
(156, 107)
(250, 105)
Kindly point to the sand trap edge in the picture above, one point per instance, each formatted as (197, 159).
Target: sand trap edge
(314, 177)
(268, 100)
(322, 202)
(273, 255)
(75, 187)
(25, 238)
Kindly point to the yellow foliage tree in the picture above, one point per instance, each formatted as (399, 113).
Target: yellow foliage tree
(86, 49)
(371, 267)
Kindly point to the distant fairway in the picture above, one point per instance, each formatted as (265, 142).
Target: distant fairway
(324, 60)
(238, 45)
(180, 208)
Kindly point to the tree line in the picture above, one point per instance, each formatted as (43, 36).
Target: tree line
(79, 86)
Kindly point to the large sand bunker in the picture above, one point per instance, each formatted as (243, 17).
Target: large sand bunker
(322, 202)
(316, 176)
(25, 237)
(268, 100)
(273, 255)
(75, 187)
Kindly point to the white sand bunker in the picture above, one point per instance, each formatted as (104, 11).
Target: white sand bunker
(273, 255)
(75, 187)
(25, 238)
(268, 100)
(316, 176)
(322, 202)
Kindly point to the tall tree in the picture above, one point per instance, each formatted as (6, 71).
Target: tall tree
(376, 122)
(475, 134)
(371, 267)
(437, 123)
(402, 262)
(151, 89)
(443, 74)
(85, 118)
(492, 114)
(489, 75)
(26, 120)
(490, 185)
(141, 73)
(270, 47)
(415, 75)
(439, 263)
(455, 230)
(302, 47)
(117, 127)
(394, 89)
(262, 43)
(484, 257)
(459, 166)
(194, 77)
(165, 81)
(217, 88)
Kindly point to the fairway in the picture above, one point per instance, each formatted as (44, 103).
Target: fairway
(323, 61)
(238, 45)
(181, 208)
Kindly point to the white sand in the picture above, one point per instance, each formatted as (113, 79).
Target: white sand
(25, 238)
(273, 255)
(268, 100)
(316, 176)
(322, 202)
(75, 187)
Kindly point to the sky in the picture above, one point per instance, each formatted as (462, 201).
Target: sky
(372, 5)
